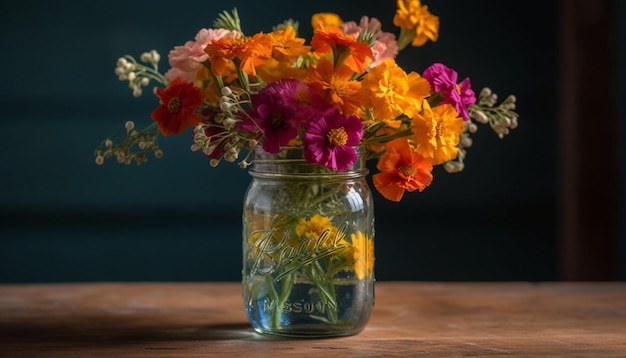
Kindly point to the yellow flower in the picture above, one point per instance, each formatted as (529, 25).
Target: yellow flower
(315, 226)
(389, 91)
(436, 132)
(326, 19)
(416, 23)
(363, 255)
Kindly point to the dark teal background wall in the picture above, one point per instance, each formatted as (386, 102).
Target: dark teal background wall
(176, 218)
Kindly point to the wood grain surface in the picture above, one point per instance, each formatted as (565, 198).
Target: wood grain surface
(410, 319)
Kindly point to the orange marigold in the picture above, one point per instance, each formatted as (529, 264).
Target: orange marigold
(177, 111)
(251, 52)
(335, 86)
(389, 91)
(286, 47)
(326, 19)
(417, 24)
(401, 168)
(344, 48)
(437, 132)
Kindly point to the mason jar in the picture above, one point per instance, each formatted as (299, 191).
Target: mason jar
(308, 247)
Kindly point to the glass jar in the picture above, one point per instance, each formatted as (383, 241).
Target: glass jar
(308, 247)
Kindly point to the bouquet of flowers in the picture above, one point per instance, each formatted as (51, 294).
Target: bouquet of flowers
(336, 98)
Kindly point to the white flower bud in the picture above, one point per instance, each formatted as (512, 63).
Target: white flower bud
(485, 92)
(229, 123)
(252, 143)
(513, 123)
(145, 57)
(137, 92)
(121, 62)
(225, 106)
(145, 81)
(510, 99)
(472, 127)
(156, 57)
(99, 160)
(132, 76)
(466, 141)
(226, 91)
(108, 143)
(129, 125)
(450, 167)
(158, 153)
(480, 117)
(506, 122)
(214, 162)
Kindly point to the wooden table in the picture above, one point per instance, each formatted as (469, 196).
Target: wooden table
(410, 319)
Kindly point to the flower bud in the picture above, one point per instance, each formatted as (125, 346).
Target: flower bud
(485, 92)
(156, 57)
(225, 106)
(466, 141)
(129, 125)
(226, 91)
(145, 57)
(480, 117)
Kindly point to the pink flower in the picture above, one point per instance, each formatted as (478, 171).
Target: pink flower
(385, 46)
(443, 80)
(331, 138)
(187, 58)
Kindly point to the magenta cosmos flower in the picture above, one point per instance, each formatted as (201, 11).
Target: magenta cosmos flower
(331, 138)
(443, 79)
(298, 96)
(274, 116)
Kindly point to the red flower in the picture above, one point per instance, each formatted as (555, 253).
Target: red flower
(179, 102)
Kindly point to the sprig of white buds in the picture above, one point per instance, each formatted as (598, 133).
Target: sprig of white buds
(501, 118)
(137, 74)
(134, 147)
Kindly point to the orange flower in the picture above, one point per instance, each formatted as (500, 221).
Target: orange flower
(344, 48)
(437, 131)
(389, 91)
(401, 168)
(273, 70)
(326, 19)
(286, 47)
(179, 101)
(416, 23)
(251, 52)
(335, 86)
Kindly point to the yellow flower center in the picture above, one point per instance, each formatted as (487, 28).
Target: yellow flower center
(337, 137)
(341, 87)
(174, 104)
(407, 170)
